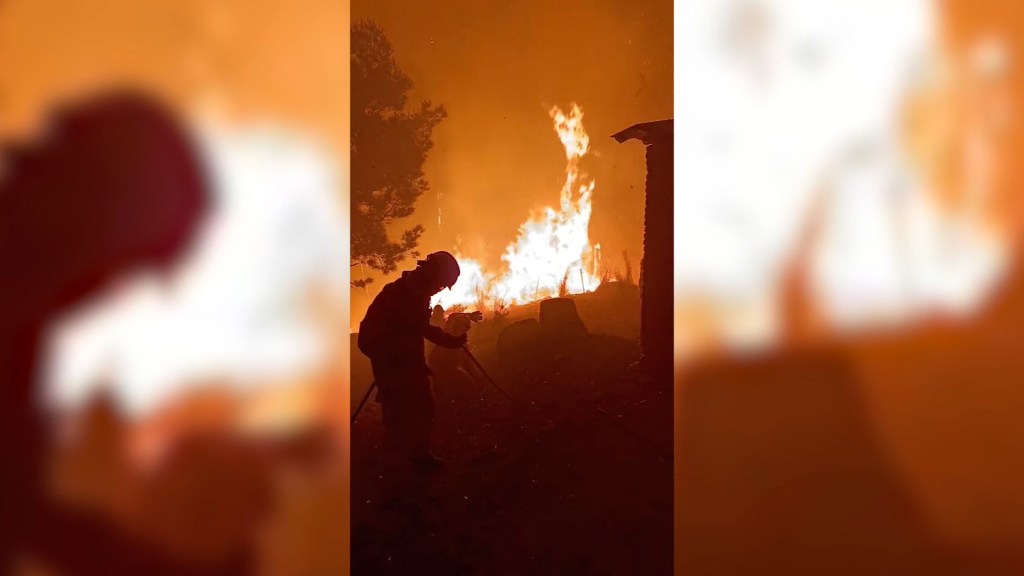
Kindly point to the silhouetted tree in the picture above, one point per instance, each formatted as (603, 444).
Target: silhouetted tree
(389, 147)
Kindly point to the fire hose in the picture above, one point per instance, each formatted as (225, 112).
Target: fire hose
(664, 455)
(486, 375)
(365, 398)
(471, 357)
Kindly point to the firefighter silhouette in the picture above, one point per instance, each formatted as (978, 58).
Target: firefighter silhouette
(392, 336)
(115, 186)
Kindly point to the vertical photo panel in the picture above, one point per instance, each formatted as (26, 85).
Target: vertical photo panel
(849, 299)
(511, 302)
(173, 245)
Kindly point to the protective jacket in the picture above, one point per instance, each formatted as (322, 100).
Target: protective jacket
(392, 332)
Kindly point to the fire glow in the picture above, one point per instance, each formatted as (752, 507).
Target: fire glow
(552, 255)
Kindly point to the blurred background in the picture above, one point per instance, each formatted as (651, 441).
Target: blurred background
(202, 408)
(848, 295)
(866, 144)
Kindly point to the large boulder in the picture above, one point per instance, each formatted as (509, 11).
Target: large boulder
(519, 339)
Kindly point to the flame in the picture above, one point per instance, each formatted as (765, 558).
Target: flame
(473, 283)
(552, 253)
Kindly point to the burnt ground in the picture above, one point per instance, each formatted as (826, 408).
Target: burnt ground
(574, 477)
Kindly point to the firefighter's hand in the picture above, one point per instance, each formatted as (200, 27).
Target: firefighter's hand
(476, 316)
(460, 341)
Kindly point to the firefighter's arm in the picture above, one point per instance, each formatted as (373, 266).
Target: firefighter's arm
(374, 329)
(438, 336)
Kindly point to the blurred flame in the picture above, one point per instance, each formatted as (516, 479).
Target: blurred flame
(553, 246)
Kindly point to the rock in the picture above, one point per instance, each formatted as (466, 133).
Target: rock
(560, 317)
(518, 338)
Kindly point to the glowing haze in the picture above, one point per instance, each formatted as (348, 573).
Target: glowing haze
(553, 250)
(239, 311)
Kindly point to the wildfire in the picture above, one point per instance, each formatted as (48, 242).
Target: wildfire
(552, 254)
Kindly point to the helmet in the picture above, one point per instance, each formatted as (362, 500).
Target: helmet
(131, 188)
(443, 266)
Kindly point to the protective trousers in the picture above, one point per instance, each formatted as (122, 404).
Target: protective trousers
(407, 401)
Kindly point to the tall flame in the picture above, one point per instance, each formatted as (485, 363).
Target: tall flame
(552, 254)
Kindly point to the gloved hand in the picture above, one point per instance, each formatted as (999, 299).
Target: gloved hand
(456, 341)
(476, 316)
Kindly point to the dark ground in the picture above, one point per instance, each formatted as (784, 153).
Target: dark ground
(574, 477)
(883, 454)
